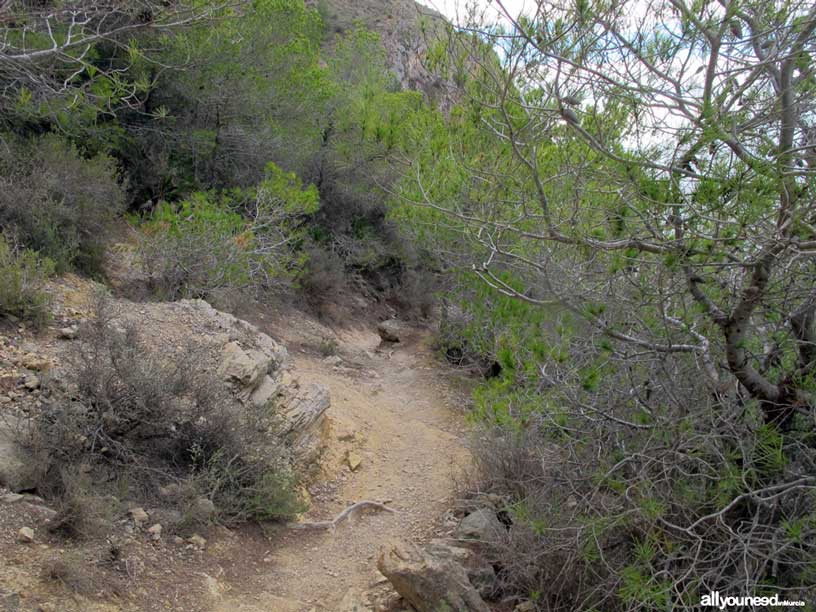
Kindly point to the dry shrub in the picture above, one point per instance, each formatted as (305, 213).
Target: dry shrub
(414, 294)
(23, 275)
(141, 421)
(59, 203)
(71, 573)
(323, 277)
(612, 507)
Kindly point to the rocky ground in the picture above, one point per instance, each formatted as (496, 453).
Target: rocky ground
(370, 420)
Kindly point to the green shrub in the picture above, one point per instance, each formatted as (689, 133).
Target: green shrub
(196, 247)
(22, 276)
(244, 238)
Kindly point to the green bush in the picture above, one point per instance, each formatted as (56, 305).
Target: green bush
(22, 276)
(244, 238)
(59, 203)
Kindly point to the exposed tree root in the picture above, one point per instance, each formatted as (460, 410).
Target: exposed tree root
(344, 515)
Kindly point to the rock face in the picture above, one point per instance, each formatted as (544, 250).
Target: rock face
(243, 367)
(406, 29)
(429, 581)
(303, 410)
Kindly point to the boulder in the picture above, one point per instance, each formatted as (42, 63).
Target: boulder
(482, 525)
(479, 571)
(429, 583)
(390, 330)
(25, 535)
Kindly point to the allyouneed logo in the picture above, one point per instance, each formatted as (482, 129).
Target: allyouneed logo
(715, 600)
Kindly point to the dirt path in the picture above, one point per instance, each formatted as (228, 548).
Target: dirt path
(400, 412)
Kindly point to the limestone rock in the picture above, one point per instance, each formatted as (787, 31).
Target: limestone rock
(139, 516)
(25, 535)
(354, 460)
(390, 330)
(36, 362)
(155, 532)
(197, 541)
(303, 409)
(266, 390)
(426, 582)
(239, 366)
(479, 571)
(482, 525)
(69, 333)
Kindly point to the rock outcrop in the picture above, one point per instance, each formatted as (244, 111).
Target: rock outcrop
(407, 30)
(429, 580)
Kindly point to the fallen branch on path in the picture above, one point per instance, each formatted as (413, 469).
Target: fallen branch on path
(344, 515)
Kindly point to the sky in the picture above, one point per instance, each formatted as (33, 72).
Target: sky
(452, 8)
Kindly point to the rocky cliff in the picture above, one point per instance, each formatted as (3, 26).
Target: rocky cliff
(406, 28)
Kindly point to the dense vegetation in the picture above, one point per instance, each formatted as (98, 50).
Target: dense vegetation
(621, 204)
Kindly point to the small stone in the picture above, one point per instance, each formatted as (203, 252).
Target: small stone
(35, 362)
(354, 461)
(69, 333)
(25, 535)
(333, 360)
(390, 330)
(139, 516)
(11, 498)
(170, 491)
(202, 509)
(525, 606)
(197, 541)
(178, 540)
(32, 383)
(155, 531)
